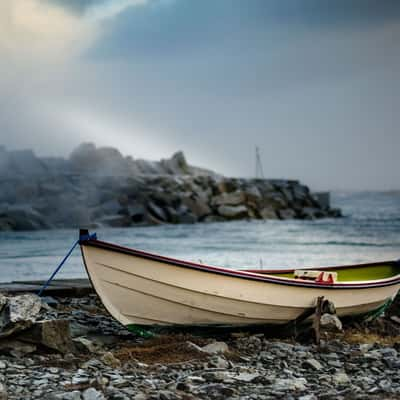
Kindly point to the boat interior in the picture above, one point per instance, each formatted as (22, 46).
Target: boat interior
(365, 272)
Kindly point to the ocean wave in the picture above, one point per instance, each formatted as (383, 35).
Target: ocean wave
(347, 243)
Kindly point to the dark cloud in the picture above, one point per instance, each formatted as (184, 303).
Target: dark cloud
(313, 83)
(183, 25)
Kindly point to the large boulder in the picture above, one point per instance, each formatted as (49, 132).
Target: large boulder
(105, 161)
(18, 313)
(287, 213)
(52, 334)
(197, 205)
(233, 212)
(22, 218)
(176, 165)
(232, 199)
(268, 213)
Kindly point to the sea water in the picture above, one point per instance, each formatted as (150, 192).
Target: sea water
(369, 231)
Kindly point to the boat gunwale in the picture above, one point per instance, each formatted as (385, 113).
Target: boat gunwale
(261, 275)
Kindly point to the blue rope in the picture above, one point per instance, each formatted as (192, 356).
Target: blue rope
(81, 239)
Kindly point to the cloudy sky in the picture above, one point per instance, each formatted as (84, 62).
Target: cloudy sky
(314, 83)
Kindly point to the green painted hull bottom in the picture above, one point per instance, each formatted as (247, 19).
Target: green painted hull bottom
(140, 331)
(373, 314)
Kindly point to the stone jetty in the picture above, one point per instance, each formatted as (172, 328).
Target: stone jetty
(98, 187)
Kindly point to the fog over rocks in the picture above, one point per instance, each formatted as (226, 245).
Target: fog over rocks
(100, 187)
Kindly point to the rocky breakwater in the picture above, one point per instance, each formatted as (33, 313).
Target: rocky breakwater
(70, 349)
(99, 187)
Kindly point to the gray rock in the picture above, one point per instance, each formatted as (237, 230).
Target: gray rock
(219, 362)
(116, 221)
(176, 165)
(233, 212)
(290, 384)
(17, 313)
(74, 395)
(229, 199)
(157, 212)
(308, 397)
(53, 334)
(215, 348)
(109, 359)
(16, 348)
(388, 352)
(246, 377)
(24, 307)
(216, 376)
(24, 218)
(77, 329)
(287, 213)
(331, 322)
(313, 364)
(85, 345)
(92, 394)
(253, 194)
(341, 378)
(268, 213)
(311, 213)
(197, 206)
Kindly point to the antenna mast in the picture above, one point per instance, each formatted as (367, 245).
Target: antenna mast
(259, 167)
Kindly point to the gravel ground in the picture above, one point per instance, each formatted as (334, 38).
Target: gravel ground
(102, 360)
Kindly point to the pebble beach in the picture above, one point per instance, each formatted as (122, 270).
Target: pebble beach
(85, 354)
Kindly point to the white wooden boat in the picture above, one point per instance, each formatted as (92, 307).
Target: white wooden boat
(140, 288)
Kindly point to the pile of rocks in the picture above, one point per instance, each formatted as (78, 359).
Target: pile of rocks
(99, 187)
(94, 358)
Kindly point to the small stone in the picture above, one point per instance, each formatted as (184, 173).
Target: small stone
(74, 395)
(364, 347)
(109, 359)
(3, 365)
(246, 377)
(388, 352)
(331, 322)
(341, 378)
(385, 385)
(195, 380)
(290, 384)
(16, 348)
(216, 376)
(50, 301)
(215, 348)
(219, 362)
(40, 382)
(335, 363)
(193, 346)
(308, 397)
(312, 363)
(85, 345)
(395, 319)
(92, 394)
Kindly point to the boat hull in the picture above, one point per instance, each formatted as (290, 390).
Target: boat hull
(145, 291)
